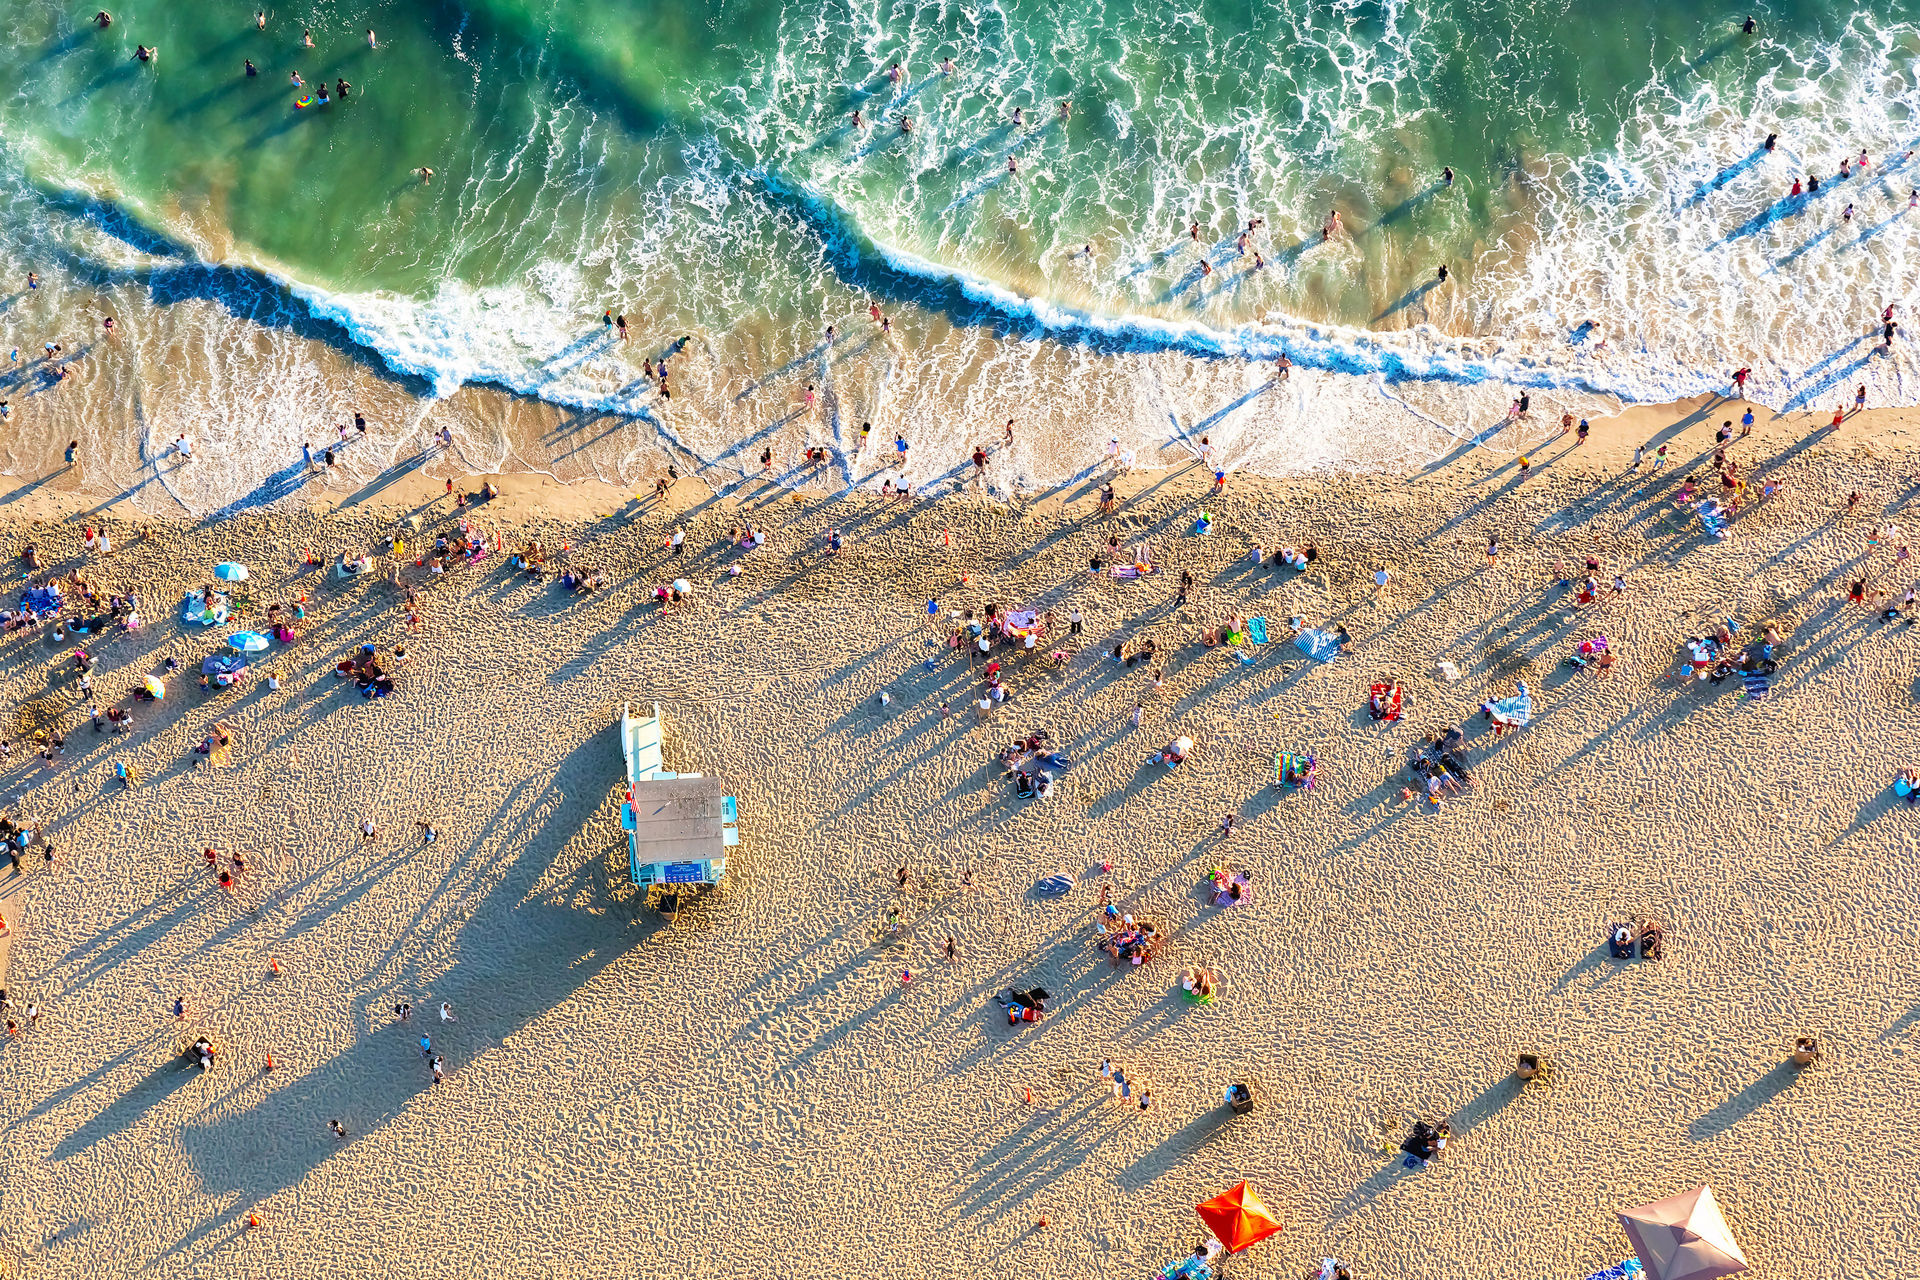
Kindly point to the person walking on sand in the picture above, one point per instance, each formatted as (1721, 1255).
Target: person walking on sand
(439, 1066)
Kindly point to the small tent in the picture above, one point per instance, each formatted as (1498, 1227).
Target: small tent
(1683, 1237)
(1237, 1218)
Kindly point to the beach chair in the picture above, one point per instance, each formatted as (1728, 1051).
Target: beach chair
(729, 821)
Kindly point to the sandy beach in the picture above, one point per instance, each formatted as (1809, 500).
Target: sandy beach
(752, 1090)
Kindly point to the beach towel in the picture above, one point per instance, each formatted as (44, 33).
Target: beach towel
(1125, 571)
(1757, 685)
(1294, 769)
(194, 609)
(42, 599)
(1628, 1270)
(1515, 710)
(1321, 646)
(1257, 630)
(1054, 886)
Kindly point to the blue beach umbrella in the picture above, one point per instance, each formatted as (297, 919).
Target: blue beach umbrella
(247, 641)
(230, 572)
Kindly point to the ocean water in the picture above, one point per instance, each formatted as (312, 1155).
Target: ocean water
(1615, 231)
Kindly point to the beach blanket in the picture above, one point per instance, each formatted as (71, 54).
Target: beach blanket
(194, 609)
(1020, 619)
(1321, 646)
(1628, 1270)
(42, 599)
(1257, 630)
(1757, 686)
(1515, 710)
(1054, 886)
(1125, 571)
(1294, 769)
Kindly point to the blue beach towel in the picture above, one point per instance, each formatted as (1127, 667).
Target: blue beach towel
(1518, 708)
(1321, 646)
(1257, 630)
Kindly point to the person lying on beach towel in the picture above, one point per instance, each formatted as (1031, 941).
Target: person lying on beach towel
(1383, 701)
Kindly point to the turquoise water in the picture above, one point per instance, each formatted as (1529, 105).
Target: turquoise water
(695, 167)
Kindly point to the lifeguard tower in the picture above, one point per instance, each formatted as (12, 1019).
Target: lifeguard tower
(679, 825)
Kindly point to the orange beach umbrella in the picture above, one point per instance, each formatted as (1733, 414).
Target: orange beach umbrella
(1237, 1218)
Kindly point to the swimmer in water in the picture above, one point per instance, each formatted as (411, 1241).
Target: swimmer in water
(260, 20)
(306, 38)
(342, 88)
(1259, 263)
(251, 69)
(1066, 110)
(324, 100)
(1846, 215)
(103, 19)
(856, 119)
(1013, 165)
(1446, 175)
(893, 74)
(946, 66)
(1772, 140)
(873, 309)
(426, 174)
(1796, 188)
(1332, 227)
(906, 124)
(1441, 275)
(1206, 268)
(143, 53)
(295, 77)
(1749, 26)
(1194, 232)
(1087, 250)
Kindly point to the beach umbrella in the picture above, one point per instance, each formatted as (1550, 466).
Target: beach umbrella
(230, 572)
(1683, 1237)
(683, 586)
(1237, 1218)
(248, 641)
(155, 688)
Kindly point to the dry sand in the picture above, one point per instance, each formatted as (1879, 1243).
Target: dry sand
(753, 1092)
